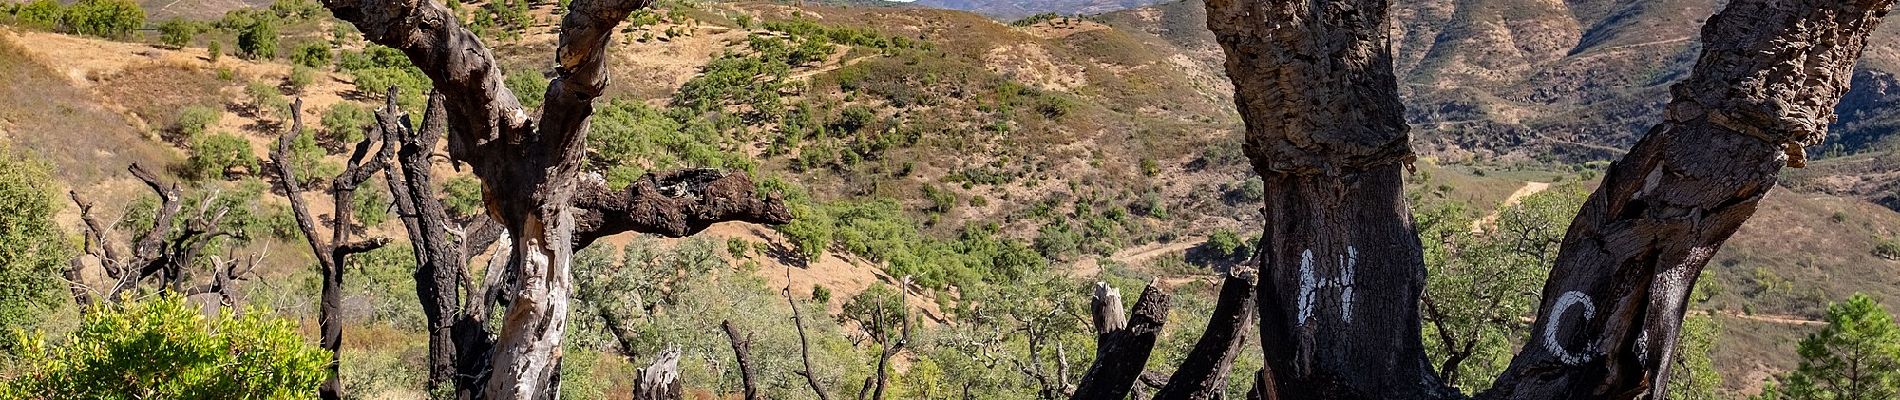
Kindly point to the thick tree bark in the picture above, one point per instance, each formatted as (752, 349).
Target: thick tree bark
(331, 254)
(1313, 81)
(1124, 350)
(1203, 374)
(1766, 85)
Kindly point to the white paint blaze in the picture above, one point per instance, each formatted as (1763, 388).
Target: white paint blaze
(1311, 283)
(1571, 298)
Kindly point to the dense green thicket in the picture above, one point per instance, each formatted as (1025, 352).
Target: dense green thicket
(112, 19)
(33, 250)
(161, 347)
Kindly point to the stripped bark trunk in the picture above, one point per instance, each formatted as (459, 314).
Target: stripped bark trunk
(330, 254)
(1770, 75)
(1203, 373)
(1314, 83)
(660, 380)
(1124, 350)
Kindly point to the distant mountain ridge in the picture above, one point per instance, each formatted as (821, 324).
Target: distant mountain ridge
(1009, 10)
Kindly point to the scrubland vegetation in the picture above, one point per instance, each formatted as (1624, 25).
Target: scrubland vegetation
(891, 151)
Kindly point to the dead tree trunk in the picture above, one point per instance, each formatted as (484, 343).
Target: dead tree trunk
(330, 254)
(1203, 374)
(1341, 266)
(454, 305)
(742, 351)
(537, 164)
(158, 253)
(1123, 350)
(660, 380)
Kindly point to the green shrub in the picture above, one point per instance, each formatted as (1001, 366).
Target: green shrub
(177, 33)
(212, 51)
(258, 40)
(300, 78)
(163, 348)
(1888, 248)
(530, 88)
(214, 154)
(464, 196)
(344, 122)
(115, 19)
(1225, 243)
(306, 157)
(296, 9)
(313, 54)
(194, 119)
(820, 294)
(33, 249)
(1149, 167)
(39, 14)
(371, 204)
(266, 99)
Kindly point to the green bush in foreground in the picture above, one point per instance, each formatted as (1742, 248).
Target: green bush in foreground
(214, 154)
(162, 348)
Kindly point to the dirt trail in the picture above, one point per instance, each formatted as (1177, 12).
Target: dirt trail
(1091, 267)
(1527, 190)
(843, 274)
(1773, 318)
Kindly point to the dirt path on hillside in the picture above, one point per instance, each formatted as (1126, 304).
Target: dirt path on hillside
(1773, 318)
(1518, 196)
(1091, 267)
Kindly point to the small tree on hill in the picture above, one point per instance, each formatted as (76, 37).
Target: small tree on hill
(1857, 356)
(258, 40)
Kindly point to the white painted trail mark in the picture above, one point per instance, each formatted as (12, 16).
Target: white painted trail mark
(1564, 302)
(1311, 283)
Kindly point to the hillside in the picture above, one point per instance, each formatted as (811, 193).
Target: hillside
(1530, 80)
(1106, 146)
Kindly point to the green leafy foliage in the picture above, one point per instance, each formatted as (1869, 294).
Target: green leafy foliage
(344, 122)
(377, 68)
(258, 40)
(371, 204)
(212, 155)
(307, 158)
(266, 99)
(300, 77)
(313, 55)
(530, 88)
(33, 250)
(1857, 356)
(177, 33)
(464, 196)
(39, 14)
(1481, 281)
(161, 347)
(194, 119)
(115, 19)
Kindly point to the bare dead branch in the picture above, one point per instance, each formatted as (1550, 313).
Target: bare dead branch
(1114, 373)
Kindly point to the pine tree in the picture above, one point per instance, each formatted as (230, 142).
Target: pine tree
(1857, 356)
